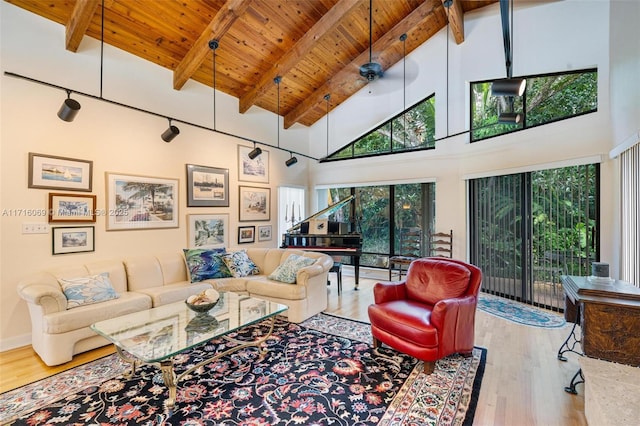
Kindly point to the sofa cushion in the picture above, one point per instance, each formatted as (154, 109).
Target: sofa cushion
(84, 316)
(204, 264)
(87, 290)
(276, 289)
(288, 270)
(176, 292)
(240, 265)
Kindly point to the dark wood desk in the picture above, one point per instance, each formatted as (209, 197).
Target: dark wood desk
(609, 316)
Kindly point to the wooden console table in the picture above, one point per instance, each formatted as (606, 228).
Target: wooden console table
(609, 317)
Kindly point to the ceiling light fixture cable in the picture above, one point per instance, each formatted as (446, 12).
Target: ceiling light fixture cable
(447, 4)
(213, 45)
(101, 47)
(277, 80)
(326, 98)
(403, 38)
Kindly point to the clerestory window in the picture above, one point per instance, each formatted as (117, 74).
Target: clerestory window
(547, 98)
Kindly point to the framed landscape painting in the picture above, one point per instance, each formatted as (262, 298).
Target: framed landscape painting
(208, 230)
(264, 233)
(53, 172)
(256, 170)
(207, 186)
(141, 202)
(71, 208)
(254, 203)
(73, 239)
(246, 234)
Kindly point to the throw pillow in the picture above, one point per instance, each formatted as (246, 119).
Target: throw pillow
(286, 272)
(240, 265)
(87, 290)
(204, 264)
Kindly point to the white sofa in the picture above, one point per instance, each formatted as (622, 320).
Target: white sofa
(145, 281)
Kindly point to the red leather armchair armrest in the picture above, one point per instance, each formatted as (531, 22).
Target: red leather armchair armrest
(447, 311)
(388, 291)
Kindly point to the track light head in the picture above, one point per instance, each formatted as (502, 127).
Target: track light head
(69, 109)
(291, 161)
(508, 87)
(255, 152)
(509, 118)
(170, 134)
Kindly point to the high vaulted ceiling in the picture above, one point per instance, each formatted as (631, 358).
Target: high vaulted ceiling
(316, 46)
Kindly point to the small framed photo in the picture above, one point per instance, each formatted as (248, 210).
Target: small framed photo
(207, 186)
(71, 208)
(253, 170)
(264, 233)
(208, 230)
(254, 204)
(246, 234)
(52, 172)
(73, 239)
(141, 202)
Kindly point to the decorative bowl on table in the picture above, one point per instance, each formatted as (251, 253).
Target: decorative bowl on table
(203, 302)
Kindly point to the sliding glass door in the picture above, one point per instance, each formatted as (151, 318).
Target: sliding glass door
(528, 229)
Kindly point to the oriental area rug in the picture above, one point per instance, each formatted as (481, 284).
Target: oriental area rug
(323, 371)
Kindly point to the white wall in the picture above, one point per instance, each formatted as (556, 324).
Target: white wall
(548, 37)
(117, 140)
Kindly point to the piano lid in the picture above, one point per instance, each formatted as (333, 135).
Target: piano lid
(324, 212)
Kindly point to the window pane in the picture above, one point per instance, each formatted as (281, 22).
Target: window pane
(374, 210)
(375, 142)
(408, 230)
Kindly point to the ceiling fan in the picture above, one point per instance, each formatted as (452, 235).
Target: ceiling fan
(371, 70)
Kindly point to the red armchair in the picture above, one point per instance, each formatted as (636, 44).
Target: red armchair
(431, 314)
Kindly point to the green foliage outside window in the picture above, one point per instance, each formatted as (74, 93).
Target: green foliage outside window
(547, 98)
(411, 130)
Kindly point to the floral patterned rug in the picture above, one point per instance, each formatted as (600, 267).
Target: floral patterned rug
(519, 312)
(321, 372)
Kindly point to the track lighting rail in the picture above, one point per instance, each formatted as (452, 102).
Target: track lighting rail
(120, 104)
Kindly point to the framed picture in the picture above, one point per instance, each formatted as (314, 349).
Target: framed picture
(256, 170)
(264, 233)
(71, 208)
(246, 234)
(141, 202)
(52, 172)
(207, 186)
(208, 230)
(73, 239)
(254, 203)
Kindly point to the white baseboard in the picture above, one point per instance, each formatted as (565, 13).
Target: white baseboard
(15, 342)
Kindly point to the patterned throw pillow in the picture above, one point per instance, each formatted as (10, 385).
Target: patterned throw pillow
(204, 264)
(87, 290)
(240, 265)
(288, 270)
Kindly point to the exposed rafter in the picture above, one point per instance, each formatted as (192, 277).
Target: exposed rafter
(219, 25)
(326, 24)
(81, 16)
(456, 22)
(346, 81)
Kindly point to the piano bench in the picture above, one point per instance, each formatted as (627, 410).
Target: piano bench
(337, 268)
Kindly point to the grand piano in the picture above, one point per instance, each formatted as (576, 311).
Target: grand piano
(320, 233)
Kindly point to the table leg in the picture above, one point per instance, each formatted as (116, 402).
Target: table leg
(570, 347)
(133, 363)
(169, 377)
(574, 382)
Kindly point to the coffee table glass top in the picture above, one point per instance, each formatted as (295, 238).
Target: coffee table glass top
(159, 333)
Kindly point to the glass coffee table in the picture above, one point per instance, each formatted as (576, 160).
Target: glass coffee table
(156, 335)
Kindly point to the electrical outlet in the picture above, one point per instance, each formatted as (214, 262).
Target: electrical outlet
(35, 228)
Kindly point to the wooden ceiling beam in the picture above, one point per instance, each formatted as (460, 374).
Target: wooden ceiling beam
(289, 60)
(79, 21)
(456, 19)
(348, 80)
(219, 25)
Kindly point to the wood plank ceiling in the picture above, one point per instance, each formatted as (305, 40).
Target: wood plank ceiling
(316, 46)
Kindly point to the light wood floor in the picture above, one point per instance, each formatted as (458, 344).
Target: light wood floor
(523, 381)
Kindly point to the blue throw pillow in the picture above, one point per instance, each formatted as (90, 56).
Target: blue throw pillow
(87, 290)
(240, 265)
(287, 271)
(204, 264)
